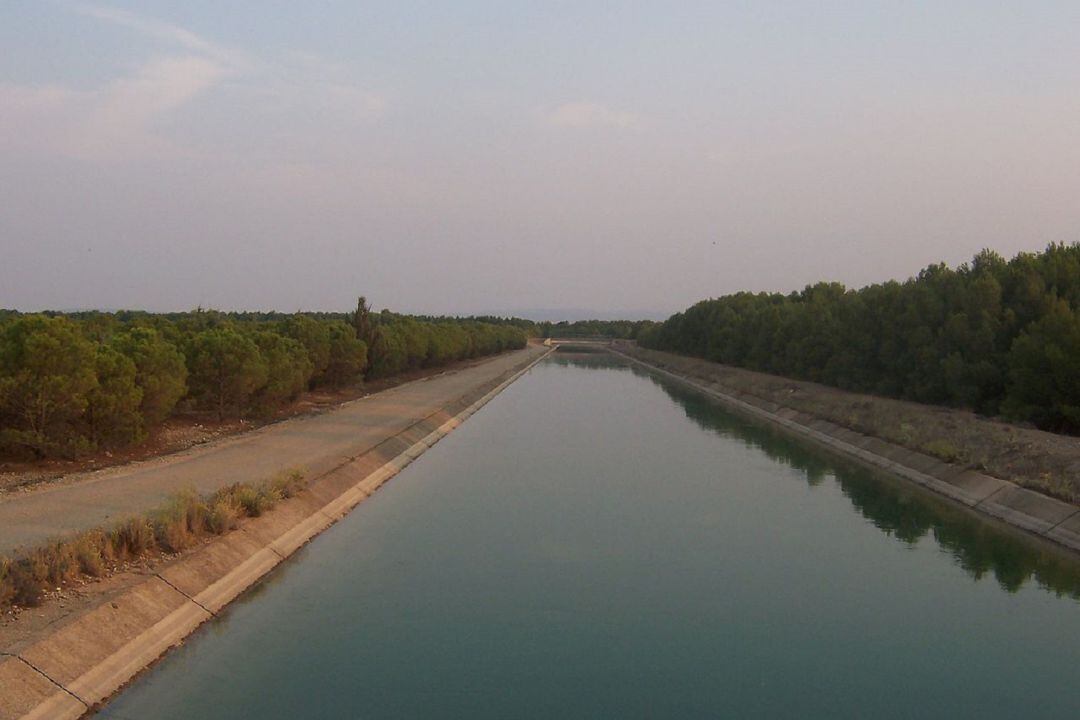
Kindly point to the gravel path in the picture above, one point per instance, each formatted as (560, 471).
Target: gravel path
(315, 443)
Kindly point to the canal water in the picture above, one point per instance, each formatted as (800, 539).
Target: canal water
(597, 542)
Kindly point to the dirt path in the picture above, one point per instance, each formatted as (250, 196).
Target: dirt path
(315, 443)
(186, 430)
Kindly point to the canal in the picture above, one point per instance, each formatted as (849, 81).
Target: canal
(597, 542)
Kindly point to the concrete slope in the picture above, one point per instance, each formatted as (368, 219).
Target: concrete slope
(1041, 515)
(317, 444)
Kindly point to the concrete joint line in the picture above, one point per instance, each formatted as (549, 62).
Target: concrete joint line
(331, 518)
(1001, 489)
(45, 675)
(266, 545)
(159, 577)
(1062, 521)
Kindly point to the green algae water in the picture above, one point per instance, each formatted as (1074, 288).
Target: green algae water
(598, 543)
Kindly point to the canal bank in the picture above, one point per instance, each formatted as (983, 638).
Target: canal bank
(1003, 500)
(87, 657)
(602, 541)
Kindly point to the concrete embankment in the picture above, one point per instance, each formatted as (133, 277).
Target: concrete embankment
(87, 658)
(1039, 514)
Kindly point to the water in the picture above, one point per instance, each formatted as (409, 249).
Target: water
(599, 543)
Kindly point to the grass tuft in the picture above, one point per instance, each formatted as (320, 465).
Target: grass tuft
(943, 450)
(288, 483)
(177, 524)
(223, 514)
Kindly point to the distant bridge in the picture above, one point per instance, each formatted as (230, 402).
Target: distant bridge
(586, 344)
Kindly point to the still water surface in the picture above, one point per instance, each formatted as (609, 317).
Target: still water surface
(600, 543)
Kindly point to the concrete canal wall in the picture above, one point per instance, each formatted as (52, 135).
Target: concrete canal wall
(81, 664)
(1033, 512)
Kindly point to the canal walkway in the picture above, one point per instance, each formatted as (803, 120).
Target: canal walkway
(315, 444)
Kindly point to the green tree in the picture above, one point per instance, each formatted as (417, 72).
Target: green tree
(225, 370)
(348, 355)
(315, 337)
(160, 371)
(46, 376)
(946, 336)
(112, 412)
(362, 322)
(389, 356)
(288, 370)
(1044, 365)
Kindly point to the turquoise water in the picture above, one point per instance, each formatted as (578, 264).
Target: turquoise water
(599, 543)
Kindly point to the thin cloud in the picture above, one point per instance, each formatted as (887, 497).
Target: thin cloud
(124, 117)
(294, 75)
(591, 115)
(115, 119)
(127, 108)
(161, 30)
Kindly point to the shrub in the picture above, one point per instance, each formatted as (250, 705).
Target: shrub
(131, 538)
(60, 562)
(91, 551)
(223, 514)
(253, 501)
(943, 450)
(287, 484)
(179, 522)
(29, 578)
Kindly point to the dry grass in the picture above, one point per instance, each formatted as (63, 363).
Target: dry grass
(179, 523)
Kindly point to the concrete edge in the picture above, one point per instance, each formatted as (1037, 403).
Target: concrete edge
(1004, 500)
(68, 695)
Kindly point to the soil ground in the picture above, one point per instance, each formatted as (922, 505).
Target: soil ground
(314, 443)
(187, 430)
(1042, 461)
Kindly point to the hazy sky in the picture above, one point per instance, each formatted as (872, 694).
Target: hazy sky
(468, 156)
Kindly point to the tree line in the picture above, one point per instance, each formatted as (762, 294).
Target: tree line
(622, 329)
(74, 382)
(995, 336)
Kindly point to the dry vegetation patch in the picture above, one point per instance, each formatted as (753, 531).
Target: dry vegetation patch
(183, 520)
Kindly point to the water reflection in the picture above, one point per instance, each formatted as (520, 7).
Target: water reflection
(899, 510)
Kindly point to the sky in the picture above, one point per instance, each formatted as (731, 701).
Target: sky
(617, 158)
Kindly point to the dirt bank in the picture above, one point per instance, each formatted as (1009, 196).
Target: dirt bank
(69, 665)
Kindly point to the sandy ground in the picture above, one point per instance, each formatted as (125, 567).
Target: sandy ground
(1039, 460)
(314, 443)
